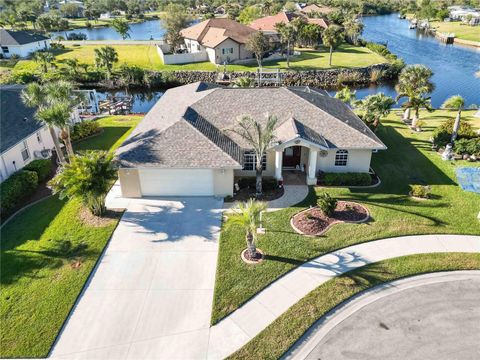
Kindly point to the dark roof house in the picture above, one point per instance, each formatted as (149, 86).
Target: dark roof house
(11, 37)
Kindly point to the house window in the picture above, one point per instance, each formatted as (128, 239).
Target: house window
(25, 152)
(5, 49)
(198, 47)
(39, 137)
(227, 51)
(341, 158)
(250, 159)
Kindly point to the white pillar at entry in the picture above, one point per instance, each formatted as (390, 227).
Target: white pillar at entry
(278, 164)
(312, 167)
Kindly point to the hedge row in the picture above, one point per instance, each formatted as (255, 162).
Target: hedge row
(346, 179)
(85, 129)
(43, 168)
(268, 184)
(18, 187)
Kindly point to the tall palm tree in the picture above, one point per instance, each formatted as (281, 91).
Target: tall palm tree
(247, 215)
(353, 28)
(332, 37)
(375, 107)
(43, 58)
(413, 81)
(259, 137)
(416, 101)
(287, 37)
(88, 177)
(105, 57)
(457, 103)
(55, 102)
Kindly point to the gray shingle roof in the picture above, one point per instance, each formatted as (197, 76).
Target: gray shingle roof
(10, 37)
(188, 127)
(16, 119)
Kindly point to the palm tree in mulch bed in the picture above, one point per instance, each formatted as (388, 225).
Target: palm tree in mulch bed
(248, 216)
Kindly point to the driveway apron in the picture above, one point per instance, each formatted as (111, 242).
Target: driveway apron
(151, 294)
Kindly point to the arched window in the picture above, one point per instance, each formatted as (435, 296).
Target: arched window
(341, 158)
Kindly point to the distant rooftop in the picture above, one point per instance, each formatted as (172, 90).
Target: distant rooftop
(11, 37)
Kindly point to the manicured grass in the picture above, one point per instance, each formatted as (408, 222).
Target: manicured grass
(40, 248)
(115, 130)
(146, 56)
(462, 31)
(408, 160)
(39, 279)
(279, 336)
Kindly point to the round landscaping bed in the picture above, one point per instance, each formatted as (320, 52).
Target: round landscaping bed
(313, 222)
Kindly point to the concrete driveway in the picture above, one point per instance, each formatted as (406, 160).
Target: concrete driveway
(152, 291)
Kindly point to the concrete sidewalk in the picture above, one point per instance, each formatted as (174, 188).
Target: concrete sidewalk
(249, 320)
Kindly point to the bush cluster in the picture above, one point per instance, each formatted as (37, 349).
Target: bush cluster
(467, 146)
(16, 188)
(442, 135)
(268, 184)
(85, 129)
(327, 204)
(43, 168)
(347, 179)
(420, 191)
(381, 50)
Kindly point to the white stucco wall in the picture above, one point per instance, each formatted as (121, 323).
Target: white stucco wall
(223, 182)
(11, 160)
(358, 161)
(26, 49)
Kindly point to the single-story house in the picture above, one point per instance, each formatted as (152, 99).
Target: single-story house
(183, 146)
(22, 43)
(223, 40)
(267, 23)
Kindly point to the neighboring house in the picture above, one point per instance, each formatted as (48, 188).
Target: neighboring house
(223, 40)
(463, 13)
(316, 9)
(22, 43)
(78, 4)
(183, 146)
(267, 23)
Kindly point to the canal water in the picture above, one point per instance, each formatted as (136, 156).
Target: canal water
(454, 66)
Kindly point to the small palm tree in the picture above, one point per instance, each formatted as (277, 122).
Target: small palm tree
(375, 107)
(417, 101)
(243, 82)
(43, 58)
(259, 138)
(457, 103)
(248, 216)
(88, 177)
(122, 27)
(105, 57)
(332, 37)
(346, 95)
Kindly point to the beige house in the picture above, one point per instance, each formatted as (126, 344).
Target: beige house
(223, 40)
(183, 147)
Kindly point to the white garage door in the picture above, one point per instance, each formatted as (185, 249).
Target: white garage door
(176, 182)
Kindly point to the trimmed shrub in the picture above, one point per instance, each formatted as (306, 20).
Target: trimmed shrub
(467, 146)
(43, 168)
(420, 191)
(347, 179)
(16, 188)
(327, 204)
(441, 135)
(85, 129)
(268, 184)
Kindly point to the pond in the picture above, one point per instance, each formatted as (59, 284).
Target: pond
(143, 101)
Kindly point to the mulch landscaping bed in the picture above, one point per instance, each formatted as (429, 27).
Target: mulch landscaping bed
(314, 222)
(268, 195)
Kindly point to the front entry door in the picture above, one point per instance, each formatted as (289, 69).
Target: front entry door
(291, 156)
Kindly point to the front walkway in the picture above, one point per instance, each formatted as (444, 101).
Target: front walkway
(151, 294)
(244, 324)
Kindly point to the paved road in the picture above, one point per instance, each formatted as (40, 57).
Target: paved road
(151, 295)
(439, 320)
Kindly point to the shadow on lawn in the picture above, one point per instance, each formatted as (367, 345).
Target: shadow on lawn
(103, 141)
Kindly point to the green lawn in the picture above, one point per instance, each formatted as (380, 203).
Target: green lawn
(462, 31)
(408, 160)
(279, 336)
(146, 56)
(40, 253)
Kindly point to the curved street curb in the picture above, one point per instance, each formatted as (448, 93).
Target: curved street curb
(304, 346)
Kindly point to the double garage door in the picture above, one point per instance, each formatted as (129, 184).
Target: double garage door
(176, 182)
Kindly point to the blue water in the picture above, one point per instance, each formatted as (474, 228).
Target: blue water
(454, 66)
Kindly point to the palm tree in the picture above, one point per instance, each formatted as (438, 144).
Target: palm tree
(346, 95)
(375, 107)
(105, 57)
(457, 103)
(259, 138)
(122, 27)
(55, 102)
(88, 177)
(417, 101)
(248, 216)
(71, 69)
(332, 37)
(287, 36)
(413, 81)
(353, 28)
(243, 82)
(44, 58)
